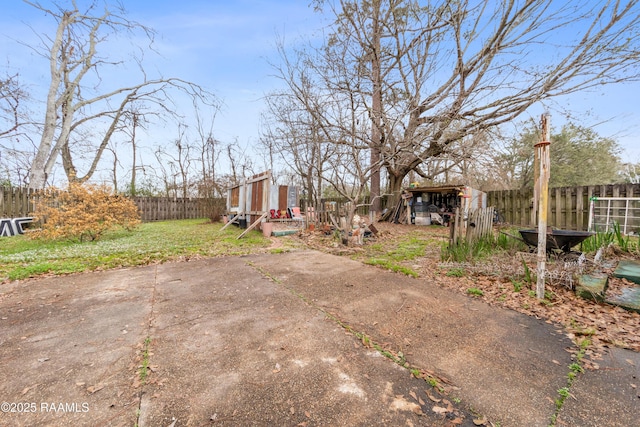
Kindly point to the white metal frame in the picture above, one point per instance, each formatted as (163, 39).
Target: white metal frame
(631, 217)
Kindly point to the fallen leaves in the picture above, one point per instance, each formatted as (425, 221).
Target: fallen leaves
(432, 397)
(604, 325)
(480, 421)
(439, 410)
(94, 388)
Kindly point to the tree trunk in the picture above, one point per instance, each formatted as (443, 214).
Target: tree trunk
(376, 112)
(132, 190)
(395, 188)
(37, 173)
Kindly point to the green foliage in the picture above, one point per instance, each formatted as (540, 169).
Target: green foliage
(529, 277)
(144, 368)
(475, 292)
(83, 212)
(407, 249)
(390, 265)
(613, 236)
(597, 241)
(517, 285)
(465, 251)
(579, 156)
(575, 367)
(455, 272)
(582, 157)
(506, 242)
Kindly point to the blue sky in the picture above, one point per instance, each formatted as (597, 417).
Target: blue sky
(225, 46)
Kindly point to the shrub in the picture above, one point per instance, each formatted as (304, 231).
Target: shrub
(83, 212)
(212, 206)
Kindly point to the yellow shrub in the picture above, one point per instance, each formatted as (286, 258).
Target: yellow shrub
(83, 212)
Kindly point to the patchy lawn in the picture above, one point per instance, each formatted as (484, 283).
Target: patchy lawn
(22, 257)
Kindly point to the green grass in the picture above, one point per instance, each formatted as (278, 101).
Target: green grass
(475, 292)
(574, 369)
(455, 272)
(390, 265)
(22, 257)
(407, 249)
(464, 251)
(144, 368)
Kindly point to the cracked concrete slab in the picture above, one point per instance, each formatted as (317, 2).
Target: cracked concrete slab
(221, 343)
(255, 341)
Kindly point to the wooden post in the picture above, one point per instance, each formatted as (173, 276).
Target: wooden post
(536, 184)
(542, 153)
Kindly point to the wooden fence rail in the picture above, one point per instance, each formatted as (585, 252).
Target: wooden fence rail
(568, 206)
(19, 202)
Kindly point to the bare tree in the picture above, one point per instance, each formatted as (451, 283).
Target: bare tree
(320, 122)
(208, 147)
(455, 68)
(176, 165)
(240, 163)
(296, 136)
(14, 120)
(74, 100)
(12, 96)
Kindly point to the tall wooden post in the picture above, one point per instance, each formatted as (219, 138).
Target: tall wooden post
(536, 187)
(542, 153)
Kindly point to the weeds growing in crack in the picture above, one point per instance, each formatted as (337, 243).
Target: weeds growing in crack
(397, 357)
(144, 367)
(574, 369)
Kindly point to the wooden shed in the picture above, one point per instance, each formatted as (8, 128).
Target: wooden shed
(443, 200)
(256, 198)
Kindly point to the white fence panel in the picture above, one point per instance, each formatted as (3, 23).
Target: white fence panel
(605, 211)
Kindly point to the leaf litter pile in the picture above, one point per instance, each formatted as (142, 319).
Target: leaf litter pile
(500, 280)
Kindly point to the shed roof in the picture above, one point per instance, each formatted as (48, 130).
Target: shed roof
(437, 189)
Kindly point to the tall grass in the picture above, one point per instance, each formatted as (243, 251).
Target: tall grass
(465, 251)
(613, 236)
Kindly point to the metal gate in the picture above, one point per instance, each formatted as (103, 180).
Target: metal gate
(605, 211)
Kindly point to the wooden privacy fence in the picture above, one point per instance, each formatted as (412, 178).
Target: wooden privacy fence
(15, 202)
(568, 206)
(19, 202)
(168, 208)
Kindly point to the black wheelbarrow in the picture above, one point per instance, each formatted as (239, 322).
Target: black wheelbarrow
(562, 240)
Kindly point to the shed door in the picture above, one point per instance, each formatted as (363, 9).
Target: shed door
(257, 191)
(282, 197)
